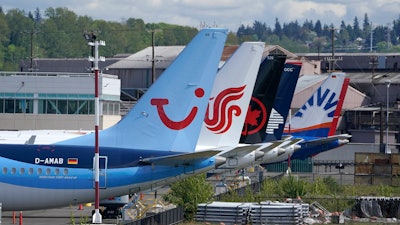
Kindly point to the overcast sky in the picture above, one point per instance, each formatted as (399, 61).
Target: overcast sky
(223, 13)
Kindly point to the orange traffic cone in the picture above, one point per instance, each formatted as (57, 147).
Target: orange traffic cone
(80, 207)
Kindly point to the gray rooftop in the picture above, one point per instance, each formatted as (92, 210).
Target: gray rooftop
(164, 56)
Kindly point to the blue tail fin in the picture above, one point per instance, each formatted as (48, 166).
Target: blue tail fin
(317, 116)
(170, 114)
(283, 100)
(262, 99)
(230, 98)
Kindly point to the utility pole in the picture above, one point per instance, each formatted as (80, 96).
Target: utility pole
(332, 60)
(31, 67)
(333, 48)
(96, 218)
(371, 39)
(387, 116)
(153, 67)
(381, 144)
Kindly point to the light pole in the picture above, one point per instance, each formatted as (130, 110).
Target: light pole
(387, 115)
(96, 218)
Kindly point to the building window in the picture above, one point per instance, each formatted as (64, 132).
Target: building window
(72, 106)
(23, 106)
(16, 106)
(111, 108)
(62, 106)
(53, 106)
(9, 106)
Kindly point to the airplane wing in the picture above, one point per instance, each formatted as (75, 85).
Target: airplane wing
(239, 151)
(248, 148)
(341, 137)
(185, 159)
(31, 140)
(290, 142)
(273, 145)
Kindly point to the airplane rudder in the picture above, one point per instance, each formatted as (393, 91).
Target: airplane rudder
(339, 105)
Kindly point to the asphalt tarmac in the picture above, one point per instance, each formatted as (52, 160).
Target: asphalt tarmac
(59, 216)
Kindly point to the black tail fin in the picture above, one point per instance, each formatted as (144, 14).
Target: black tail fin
(262, 99)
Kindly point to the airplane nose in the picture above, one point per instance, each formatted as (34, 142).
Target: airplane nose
(219, 160)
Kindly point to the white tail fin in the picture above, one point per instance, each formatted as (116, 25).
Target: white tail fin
(230, 97)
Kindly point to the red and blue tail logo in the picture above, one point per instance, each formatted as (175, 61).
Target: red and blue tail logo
(318, 117)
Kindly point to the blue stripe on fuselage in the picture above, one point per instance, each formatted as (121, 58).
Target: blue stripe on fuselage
(72, 156)
(82, 178)
(318, 132)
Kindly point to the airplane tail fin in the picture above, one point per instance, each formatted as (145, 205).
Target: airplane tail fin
(170, 114)
(230, 97)
(262, 99)
(336, 116)
(319, 115)
(283, 100)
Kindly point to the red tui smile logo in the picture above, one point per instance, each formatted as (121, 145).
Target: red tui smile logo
(175, 125)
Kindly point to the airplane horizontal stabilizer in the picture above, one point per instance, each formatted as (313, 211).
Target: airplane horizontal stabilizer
(239, 151)
(341, 137)
(186, 159)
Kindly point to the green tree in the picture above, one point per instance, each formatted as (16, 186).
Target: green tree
(261, 30)
(5, 30)
(139, 37)
(356, 28)
(318, 28)
(20, 28)
(232, 39)
(292, 187)
(366, 27)
(344, 37)
(278, 28)
(395, 34)
(189, 192)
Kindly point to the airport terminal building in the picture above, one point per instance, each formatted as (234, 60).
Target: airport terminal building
(44, 100)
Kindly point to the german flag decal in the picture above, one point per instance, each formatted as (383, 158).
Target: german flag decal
(73, 161)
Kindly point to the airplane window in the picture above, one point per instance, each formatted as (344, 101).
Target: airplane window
(39, 171)
(57, 171)
(21, 170)
(48, 171)
(4, 170)
(65, 171)
(13, 170)
(30, 171)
